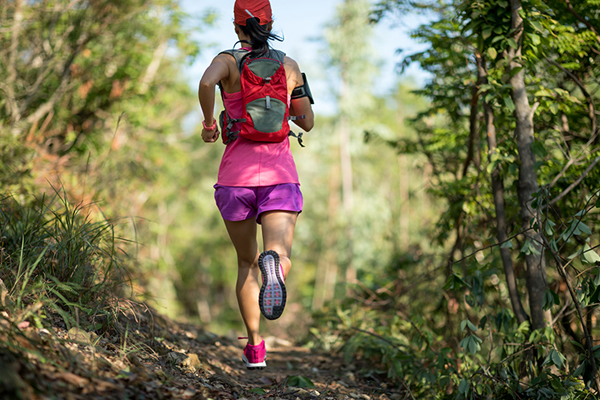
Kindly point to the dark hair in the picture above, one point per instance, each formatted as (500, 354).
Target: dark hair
(259, 36)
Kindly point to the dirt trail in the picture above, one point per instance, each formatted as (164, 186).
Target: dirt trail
(146, 356)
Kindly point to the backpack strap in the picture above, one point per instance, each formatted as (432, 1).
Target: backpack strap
(241, 55)
(298, 136)
(238, 54)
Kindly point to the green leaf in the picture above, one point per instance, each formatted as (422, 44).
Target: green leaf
(482, 322)
(455, 282)
(580, 369)
(589, 256)
(466, 323)
(492, 53)
(463, 387)
(497, 38)
(583, 228)
(515, 71)
(538, 149)
(512, 43)
(536, 25)
(549, 227)
(550, 300)
(528, 248)
(598, 202)
(509, 104)
(300, 382)
(535, 39)
(487, 32)
(474, 346)
(577, 344)
(557, 358)
(258, 391)
(506, 245)
(597, 279)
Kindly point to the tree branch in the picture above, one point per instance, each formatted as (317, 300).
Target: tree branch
(591, 105)
(576, 183)
(582, 20)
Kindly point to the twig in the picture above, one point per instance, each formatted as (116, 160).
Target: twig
(379, 337)
(491, 245)
(581, 19)
(577, 182)
(588, 338)
(592, 107)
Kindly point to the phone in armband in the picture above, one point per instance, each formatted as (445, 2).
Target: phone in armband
(303, 91)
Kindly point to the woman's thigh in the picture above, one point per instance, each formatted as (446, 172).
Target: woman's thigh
(243, 237)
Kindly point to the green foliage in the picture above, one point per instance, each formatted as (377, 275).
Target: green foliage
(447, 332)
(62, 257)
(299, 382)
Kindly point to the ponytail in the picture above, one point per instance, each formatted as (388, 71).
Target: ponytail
(259, 36)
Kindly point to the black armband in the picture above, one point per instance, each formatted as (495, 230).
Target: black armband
(303, 91)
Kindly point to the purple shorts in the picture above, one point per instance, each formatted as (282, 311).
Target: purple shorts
(241, 203)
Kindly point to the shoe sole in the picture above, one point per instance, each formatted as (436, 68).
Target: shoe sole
(253, 366)
(272, 292)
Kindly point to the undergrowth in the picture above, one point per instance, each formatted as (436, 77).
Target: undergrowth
(440, 334)
(60, 258)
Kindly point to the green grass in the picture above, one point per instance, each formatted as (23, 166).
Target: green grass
(65, 257)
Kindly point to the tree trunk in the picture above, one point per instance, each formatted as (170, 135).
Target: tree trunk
(404, 204)
(498, 194)
(528, 184)
(11, 103)
(347, 185)
(326, 274)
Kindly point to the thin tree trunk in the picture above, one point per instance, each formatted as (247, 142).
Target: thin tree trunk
(498, 194)
(527, 184)
(404, 204)
(347, 186)
(473, 131)
(326, 274)
(13, 109)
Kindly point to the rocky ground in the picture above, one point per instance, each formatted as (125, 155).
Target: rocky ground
(146, 356)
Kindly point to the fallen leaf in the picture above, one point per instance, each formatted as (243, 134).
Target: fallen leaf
(73, 379)
(266, 381)
(23, 325)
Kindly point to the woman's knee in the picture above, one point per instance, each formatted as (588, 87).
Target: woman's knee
(247, 262)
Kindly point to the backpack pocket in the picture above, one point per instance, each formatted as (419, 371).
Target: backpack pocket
(267, 114)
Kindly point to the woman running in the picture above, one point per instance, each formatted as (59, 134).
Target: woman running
(257, 182)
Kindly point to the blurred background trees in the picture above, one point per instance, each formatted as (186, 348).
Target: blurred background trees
(450, 234)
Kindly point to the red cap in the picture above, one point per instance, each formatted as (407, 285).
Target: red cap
(244, 9)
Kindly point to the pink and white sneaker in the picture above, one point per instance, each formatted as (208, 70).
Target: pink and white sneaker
(255, 356)
(272, 292)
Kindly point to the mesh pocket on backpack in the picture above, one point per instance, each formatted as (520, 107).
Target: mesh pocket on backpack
(267, 119)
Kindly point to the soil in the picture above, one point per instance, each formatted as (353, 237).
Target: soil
(142, 355)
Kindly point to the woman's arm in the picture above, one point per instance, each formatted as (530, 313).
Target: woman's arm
(302, 105)
(218, 70)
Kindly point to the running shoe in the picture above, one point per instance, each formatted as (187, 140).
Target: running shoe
(272, 292)
(255, 356)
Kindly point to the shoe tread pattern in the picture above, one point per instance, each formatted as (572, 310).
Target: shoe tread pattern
(273, 294)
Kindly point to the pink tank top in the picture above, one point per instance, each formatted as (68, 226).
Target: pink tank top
(249, 163)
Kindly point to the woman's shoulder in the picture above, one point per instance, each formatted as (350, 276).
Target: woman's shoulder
(290, 64)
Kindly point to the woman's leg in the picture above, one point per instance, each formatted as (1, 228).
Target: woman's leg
(243, 237)
(278, 234)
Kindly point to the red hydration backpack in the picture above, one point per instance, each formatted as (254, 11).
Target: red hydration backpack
(266, 111)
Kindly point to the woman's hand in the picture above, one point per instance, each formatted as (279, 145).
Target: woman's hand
(210, 135)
